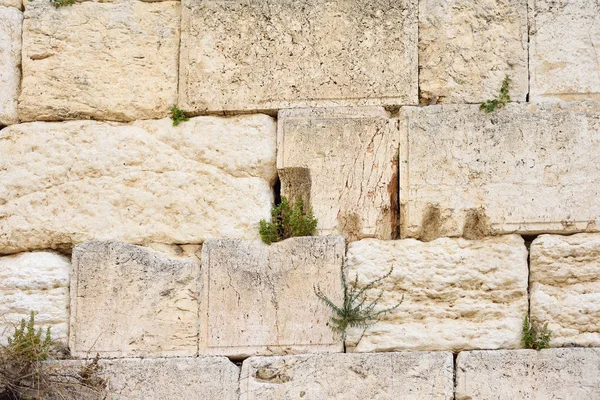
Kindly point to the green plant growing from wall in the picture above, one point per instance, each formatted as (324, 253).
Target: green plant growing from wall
(288, 221)
(62, 3)
(532, 339)
(30, 343)
(501, 100)
(178, 116)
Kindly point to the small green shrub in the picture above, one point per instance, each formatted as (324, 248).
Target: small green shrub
(28, 342)
(533, 339)
(288, 221)
(62, 3)
(501, 100)
(178, 116)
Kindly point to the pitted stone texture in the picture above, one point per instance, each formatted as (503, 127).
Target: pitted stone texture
(458, 294)
(389, 376)
(564, 50)
(105, 61)
(37, 281)
(562, 374)
(527, 168)
(565, 287)
(67, 183)
(131, 301)
(11, 22)
(11, 3)
(352, 159)
(283, 53)
(259, 299)
(466, 48)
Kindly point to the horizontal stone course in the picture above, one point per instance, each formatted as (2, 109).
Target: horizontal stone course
(11, 26)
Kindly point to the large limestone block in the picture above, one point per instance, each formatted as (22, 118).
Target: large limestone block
(564, 50)
(71, 182)
(11, 22)
(527, 168)
(467, 47)
(561, 374)
(389, 376)
(283, 53)
(351, 158)
(131, 301)
(565, 287)
(259, 299)
(458, 294)
(106, 61)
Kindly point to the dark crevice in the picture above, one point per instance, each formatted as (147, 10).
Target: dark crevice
(277, 191)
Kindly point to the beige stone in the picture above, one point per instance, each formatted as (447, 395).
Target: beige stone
(11, 3)
(561, 374)
(467, 47)
(392, 376)
(352, 160)
(457, 294)
(259, 299)
(283, 53)
(71, 182)
(564, 50)
(11, 22)
(106, 61)
(565, 287)
(527, 168)
(130, 301)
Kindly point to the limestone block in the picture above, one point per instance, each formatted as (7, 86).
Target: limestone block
(565, 287)
(105, 61)
(562, 374)
(131, 301)
(283, 53)
(37, 281)
(71, 182)
(259, 299)
(11, 22)
(352, 160)
(393, 376)
(527, 168)
(467, 47)
(11, 3)
(458, 294)
(564, 50)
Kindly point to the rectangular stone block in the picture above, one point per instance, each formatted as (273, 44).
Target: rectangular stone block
(72, 182)
(283, 54)
(351, 155)
(527, 168)
(564, 374)
(564, 53)
(565, 288)
(389, 376)
(456, 294)
(103, 61)
(466, 48)
(11, 25)
(130, 301)
(259, 299)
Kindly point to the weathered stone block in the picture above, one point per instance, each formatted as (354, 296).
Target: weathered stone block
(132, 301)
(391, 376)
(564, 50)
(458, 294)
(564, 374)
(283, 53)
(71, 182)
(352, 160)
(106, 61)
(527, 168)
(259, 299)
(11, 22)
(466, 48)
(11, 3)
(565, 287)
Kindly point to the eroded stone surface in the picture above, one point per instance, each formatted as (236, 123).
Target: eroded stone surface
(11, 3)
(351, 155)
(11, 21)
(565, 287)
(527, 168)
(458, 294)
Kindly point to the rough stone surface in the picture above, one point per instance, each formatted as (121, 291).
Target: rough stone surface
(352, 158)
(283, 53)
(466, 48)
(71, 182)
(107, 61)
(132, 301)
(528, 168)
(11, 3)
(458, 294)
(391, 376)
(561, 374)
(564, 50)
(565, 287)
(259, 299)
(11, 21)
